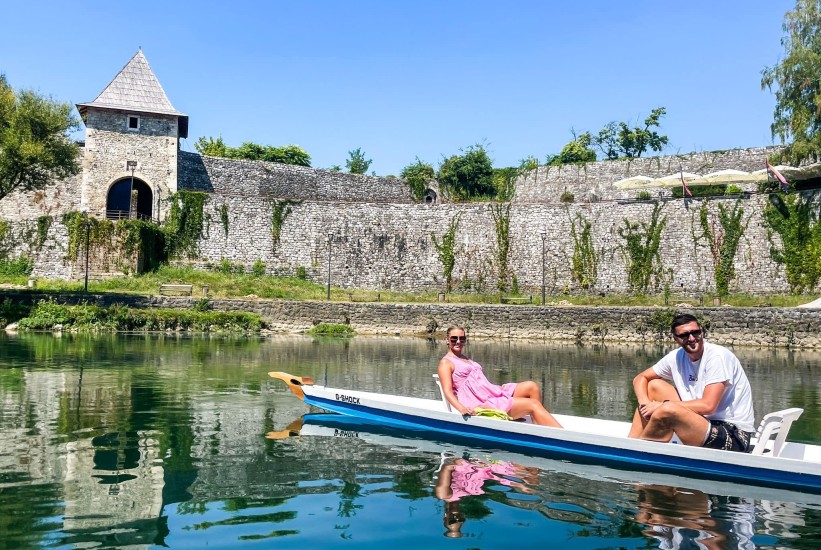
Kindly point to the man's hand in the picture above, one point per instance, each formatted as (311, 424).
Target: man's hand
(647, 409)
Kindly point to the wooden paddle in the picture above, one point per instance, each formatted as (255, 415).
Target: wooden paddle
(294, 382)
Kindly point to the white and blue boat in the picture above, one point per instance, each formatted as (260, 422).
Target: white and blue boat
(774, 461)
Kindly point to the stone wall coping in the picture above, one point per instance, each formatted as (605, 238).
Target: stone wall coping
(749, 327)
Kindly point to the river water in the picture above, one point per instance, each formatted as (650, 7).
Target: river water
(184, 442)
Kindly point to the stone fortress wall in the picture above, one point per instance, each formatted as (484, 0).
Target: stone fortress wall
(593, 181)
(380, 239)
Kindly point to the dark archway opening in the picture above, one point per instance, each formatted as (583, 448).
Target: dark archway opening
(118, 203)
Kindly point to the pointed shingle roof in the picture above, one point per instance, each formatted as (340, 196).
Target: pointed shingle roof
(136, 88)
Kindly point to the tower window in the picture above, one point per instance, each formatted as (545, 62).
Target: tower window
(133, 123)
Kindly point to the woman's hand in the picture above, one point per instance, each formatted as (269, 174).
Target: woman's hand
(467, 412)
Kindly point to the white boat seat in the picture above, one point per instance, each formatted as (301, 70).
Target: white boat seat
(442, 393)
(774, 427)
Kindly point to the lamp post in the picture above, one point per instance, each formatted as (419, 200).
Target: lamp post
(131, 165)
(330, 239)
(88, 240)
(543, 235)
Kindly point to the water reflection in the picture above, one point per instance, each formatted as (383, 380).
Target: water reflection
(460, 477)
(159, 440)
(681, 518)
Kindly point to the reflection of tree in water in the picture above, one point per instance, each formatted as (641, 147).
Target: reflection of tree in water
(33, 510)
(809, 534)
(347, 499)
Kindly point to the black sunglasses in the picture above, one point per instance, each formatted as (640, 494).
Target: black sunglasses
(454, 339)
(686, 335)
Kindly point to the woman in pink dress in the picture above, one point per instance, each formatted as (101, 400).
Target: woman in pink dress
(466, 387)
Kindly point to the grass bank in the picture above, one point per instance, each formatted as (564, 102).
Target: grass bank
(237, 285)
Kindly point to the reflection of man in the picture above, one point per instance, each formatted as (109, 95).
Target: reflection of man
(710, 402)
(686, 518)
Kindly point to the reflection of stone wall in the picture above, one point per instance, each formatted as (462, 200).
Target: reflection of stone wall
(93, 500)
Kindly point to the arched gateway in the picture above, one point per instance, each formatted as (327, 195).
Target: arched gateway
(130, 198)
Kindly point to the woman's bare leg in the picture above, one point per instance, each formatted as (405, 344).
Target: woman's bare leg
(528, 390)
(523, 406)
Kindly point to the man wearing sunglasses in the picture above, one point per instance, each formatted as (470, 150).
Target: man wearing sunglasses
(709, 402)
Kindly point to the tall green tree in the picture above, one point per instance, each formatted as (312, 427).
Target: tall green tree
(577, 151)
(618, 139)
(35, 144)
(211, 147)
(795, 78)
(469, 175)
(357, 163)
(418, 175)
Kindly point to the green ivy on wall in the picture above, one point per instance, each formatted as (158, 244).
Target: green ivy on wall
(584, 265)
(722, 234)
(795, 219)
(184, 225)
(224, 217)
(43, 225)
(501, 220)
(6, 241)
(641, 249)
(126, 241)
(447, 250)
(280, 210)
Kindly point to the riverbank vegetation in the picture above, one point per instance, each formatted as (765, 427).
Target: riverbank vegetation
(230, 281)
(49, 315)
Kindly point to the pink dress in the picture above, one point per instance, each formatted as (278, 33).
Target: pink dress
(472, 389)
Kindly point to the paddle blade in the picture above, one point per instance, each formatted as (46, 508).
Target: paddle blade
(293, 382)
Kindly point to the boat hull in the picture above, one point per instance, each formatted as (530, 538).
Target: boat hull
(601, 442)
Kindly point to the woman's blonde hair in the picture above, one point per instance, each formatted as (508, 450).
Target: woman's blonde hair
(451, 328)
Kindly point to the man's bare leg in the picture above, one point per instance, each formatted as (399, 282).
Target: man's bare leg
(657, 390)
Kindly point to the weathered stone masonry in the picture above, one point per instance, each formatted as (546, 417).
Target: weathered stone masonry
(379, 238)
(761, 327)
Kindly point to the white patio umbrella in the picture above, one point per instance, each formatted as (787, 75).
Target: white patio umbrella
(633, 182)
(674, 180)
(728, 176)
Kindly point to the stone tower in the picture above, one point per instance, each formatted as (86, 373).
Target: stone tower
(132, 144)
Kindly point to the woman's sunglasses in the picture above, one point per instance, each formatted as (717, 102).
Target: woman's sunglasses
(455, 339)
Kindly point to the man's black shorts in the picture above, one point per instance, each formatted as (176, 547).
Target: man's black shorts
(727, 437)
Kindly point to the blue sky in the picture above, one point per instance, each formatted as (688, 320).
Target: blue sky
(406, 79)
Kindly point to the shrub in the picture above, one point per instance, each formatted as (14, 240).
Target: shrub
(643, 195)
(331, 329)
(201, 305)
(567, 197)
(733, 190)
(258, 268)
(20, 266)
(301, 273)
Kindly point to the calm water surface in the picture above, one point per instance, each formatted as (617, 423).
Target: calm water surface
(151, 441)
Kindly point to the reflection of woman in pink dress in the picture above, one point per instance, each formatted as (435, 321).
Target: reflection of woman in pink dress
(462, 477)
(466, 387)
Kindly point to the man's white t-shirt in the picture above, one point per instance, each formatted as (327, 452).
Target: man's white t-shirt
(717, 365)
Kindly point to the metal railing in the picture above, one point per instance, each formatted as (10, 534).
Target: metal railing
(115, 215)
